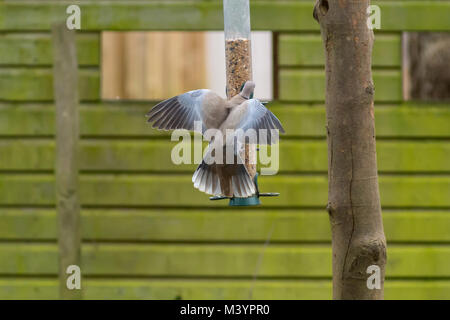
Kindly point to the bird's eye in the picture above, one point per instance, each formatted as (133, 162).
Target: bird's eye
(196, 93)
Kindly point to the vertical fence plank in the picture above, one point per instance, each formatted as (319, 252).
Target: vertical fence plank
(133, 65)
(65, 83)
(152, 65)
(112, 65)
(406, 66)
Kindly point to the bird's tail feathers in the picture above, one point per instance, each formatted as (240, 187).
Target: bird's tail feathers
(243, 186)
(206, 179)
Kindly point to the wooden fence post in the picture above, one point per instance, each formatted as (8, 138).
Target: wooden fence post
(65, 84)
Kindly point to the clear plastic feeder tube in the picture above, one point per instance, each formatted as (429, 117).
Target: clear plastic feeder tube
(238, 58)
(238, 54)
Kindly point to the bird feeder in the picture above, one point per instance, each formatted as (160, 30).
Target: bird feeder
(238, 54)
(238, 59)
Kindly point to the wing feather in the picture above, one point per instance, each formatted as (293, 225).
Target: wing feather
(258, 117)
(179, 112)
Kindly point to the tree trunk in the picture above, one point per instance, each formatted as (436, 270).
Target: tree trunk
(358, 239)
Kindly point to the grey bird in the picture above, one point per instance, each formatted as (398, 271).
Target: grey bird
(213, 112)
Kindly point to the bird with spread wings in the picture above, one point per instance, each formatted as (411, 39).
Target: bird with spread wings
(217, 175)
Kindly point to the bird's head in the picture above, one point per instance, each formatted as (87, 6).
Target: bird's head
(247, 89)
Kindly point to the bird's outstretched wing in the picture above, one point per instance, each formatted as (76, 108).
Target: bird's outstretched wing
(179, 112)
(257, 117)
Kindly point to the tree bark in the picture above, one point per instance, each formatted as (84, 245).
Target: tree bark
(354, 209)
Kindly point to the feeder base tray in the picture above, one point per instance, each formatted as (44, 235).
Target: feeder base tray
(250, 201)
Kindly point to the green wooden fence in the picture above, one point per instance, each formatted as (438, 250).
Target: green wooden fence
(147, 233)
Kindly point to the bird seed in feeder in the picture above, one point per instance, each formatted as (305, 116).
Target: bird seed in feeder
(239, 64)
